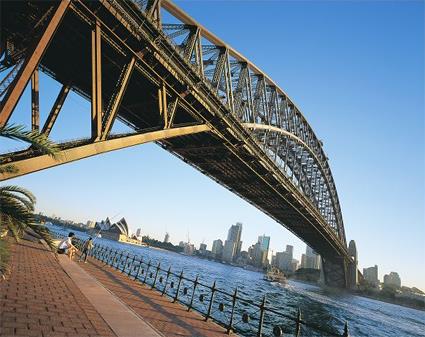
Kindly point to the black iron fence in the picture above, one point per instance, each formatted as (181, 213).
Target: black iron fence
(229, 309)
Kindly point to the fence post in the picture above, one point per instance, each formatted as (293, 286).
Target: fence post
(119, 260)
(125, 262)
(113, 259)
(211, 302)
(131, 266)
(235, 295)
(261, 321)
(195, 283)
(138, 269)
(166, 281)
(346, 333)
(147, 271)
(156, 275)
(298, 326)
(178, 287)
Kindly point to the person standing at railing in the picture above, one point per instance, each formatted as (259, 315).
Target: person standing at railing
(87, 247)
(66, 246)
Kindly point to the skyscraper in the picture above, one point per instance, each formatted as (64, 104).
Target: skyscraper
(138, 232)
(310, 259)
(264, 242)
(167, 238)
(234, 235)
(229, 250)
(217, 248)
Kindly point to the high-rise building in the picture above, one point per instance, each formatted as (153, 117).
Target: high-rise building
(310, 259)
(371, 275)
(284, 259)
(138, 232)
(264, 242)
(392, 279)
(234, 234)
(167, 238)
(229, 250)
(202, 247)
(217, 248)
(290, 250)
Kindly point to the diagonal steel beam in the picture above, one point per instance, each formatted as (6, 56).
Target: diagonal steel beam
(35, 106)
(54, 112)
(118, 98)
(96, 97)
(31, 63)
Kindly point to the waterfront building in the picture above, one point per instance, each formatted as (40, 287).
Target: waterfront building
(229, 250)
(392, 279)
(167, 238)
(260, 251)
(217, 249)
(234, 234)
(181, 244)
(264, 242)
(90, 224)
(117, 231)
(284, 259)
(294, 265)
(202, 247)
(189, 249)
(103, 225)
(139, 232)
(310, 259)
(371, 275)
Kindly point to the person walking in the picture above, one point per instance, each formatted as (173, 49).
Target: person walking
(87, 247)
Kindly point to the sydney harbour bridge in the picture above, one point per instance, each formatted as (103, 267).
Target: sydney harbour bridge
(153, 67)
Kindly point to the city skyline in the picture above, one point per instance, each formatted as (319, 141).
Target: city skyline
(308, 259)
(336, 99)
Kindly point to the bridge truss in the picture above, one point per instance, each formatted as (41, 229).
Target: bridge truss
(153, 67)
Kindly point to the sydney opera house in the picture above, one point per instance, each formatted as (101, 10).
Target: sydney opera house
(117, 231)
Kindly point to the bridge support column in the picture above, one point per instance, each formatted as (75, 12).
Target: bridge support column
(334, 273)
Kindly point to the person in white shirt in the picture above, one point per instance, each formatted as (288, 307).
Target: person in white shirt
(66, 246)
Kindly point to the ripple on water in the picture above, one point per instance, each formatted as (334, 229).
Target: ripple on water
(366, 317)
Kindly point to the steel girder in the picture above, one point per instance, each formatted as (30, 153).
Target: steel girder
(243, 103)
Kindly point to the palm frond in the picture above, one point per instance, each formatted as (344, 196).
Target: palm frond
(37, 140)
(29, 204)
(18, 190)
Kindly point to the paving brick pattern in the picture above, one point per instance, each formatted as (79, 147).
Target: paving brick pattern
(39, 299)
(171, 319)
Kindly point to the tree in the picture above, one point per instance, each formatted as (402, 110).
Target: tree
(16, 203)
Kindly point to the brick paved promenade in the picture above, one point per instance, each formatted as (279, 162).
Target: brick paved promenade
(39, 299)
(171, 319)
(32, 298)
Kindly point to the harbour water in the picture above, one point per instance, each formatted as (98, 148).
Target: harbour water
(327, 309)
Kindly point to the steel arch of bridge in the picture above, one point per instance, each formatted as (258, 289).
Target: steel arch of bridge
(243, 103)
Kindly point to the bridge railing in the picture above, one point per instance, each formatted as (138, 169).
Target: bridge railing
(229, 309)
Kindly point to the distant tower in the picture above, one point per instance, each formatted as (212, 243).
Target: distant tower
(353, 279)
(167, 238)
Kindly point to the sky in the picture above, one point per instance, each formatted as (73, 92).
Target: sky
(356, 71)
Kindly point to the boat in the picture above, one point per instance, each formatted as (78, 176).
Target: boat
(275, 275)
